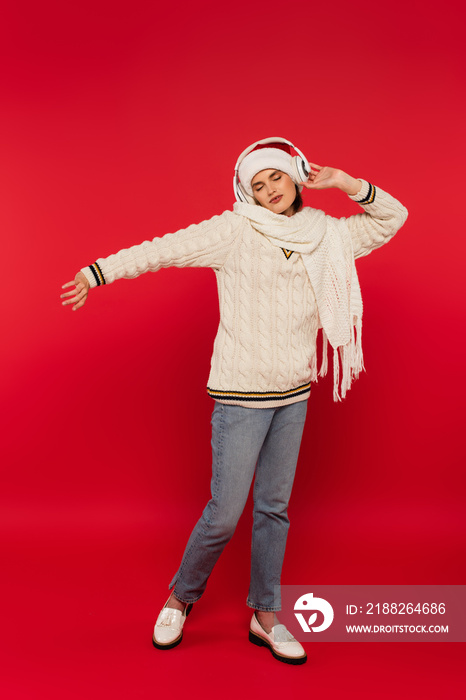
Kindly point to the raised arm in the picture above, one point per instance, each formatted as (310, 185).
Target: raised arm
(384, 215)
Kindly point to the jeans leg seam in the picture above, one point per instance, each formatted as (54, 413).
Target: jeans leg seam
(201, 532)
(221, 431)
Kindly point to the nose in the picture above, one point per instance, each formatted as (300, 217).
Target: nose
(271, 187)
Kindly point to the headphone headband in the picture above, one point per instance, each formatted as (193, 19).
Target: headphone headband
(263, 142)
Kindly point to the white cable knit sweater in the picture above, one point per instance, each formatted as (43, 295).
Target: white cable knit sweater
(264, 352)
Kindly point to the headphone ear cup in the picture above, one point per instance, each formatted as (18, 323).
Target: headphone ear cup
(301, 169)
(242, 195)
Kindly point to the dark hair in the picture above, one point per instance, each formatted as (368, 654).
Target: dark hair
(298, 202)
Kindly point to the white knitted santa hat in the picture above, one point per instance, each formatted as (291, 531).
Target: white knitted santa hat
(265, 159)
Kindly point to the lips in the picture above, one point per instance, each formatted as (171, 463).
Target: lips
(275, 200)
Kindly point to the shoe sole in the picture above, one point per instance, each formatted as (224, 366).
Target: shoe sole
(261, 642)
(157, 645)
(175, 643)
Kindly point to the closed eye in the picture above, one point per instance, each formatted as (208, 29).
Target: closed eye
(257, 188)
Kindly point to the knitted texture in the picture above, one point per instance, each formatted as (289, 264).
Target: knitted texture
(325, 245)
(265, 349)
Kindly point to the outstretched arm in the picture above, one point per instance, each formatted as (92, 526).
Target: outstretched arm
(207, 244)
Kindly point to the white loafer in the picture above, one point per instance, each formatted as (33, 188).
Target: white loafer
(281, 643)
(168, 630)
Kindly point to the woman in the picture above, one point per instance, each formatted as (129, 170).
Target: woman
(283, 272)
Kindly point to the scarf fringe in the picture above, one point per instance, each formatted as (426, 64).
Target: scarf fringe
(313, 367)
(349, 356)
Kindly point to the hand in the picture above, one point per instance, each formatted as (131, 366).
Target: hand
(322, 178)
(79, 294)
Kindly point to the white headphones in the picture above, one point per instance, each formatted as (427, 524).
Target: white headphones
(301, 167)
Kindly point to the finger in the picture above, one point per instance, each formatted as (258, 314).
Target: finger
(79, 304)
(77, 290)
(312, 177)
(314, 165)
(74, 299)
(68, 284)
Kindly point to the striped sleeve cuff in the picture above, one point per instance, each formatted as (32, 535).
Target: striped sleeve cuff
(366, 194)
(94, 275)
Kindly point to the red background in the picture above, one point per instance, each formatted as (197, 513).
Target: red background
(121, 121)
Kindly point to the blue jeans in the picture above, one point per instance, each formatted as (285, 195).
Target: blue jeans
(246, 440)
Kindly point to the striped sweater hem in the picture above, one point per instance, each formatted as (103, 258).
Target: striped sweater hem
(258, 396)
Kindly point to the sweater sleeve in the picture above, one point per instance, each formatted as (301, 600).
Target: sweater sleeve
(200, 245)
(383, 217)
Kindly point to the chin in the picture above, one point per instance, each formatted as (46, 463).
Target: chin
(284, 209)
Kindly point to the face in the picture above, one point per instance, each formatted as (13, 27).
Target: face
(275, 191)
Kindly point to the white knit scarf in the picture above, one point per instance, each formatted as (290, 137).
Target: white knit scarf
(324, 243)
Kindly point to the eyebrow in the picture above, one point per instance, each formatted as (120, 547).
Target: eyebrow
(271, 175)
